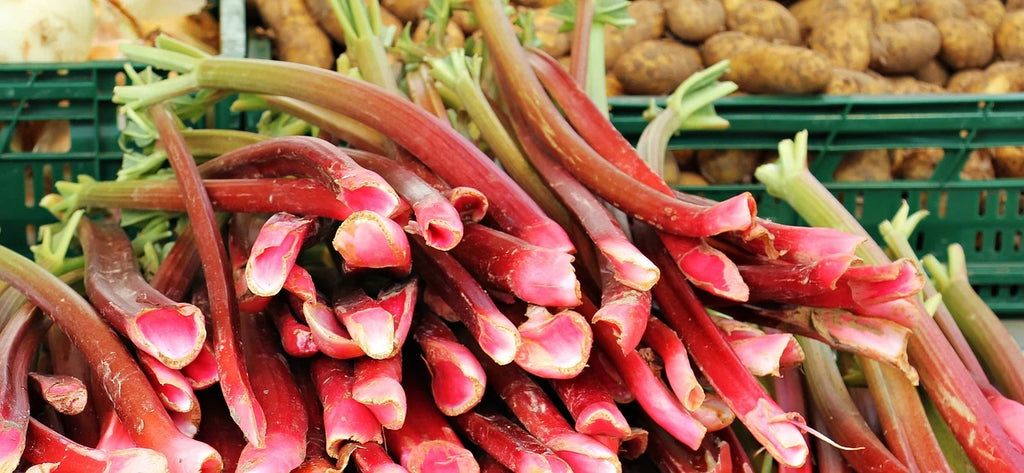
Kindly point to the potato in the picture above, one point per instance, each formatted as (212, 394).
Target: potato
(885, 11)
(964, 81)
(685, 158)
(1013, 5)
(612, 86)
(867, 165)
(656, 67)
(767, 20)
(727, 44)
(910, 85)
(1008, 161)
(650, 24)
(671, 169)
(978, 166)
(933, 72)
(847, 82)
(732, 5)
(779, 69)
(692, 179)
(915, 164)
(728, 166)
(694, 20)
(809, 13)
(1010, 36)
(1012, 71)
(935, 10)
(465, 20)
(551, 41)
(903, 46)
(453, 35)
(966, 42)
(989, 11)
(406, 10)
(845, 41)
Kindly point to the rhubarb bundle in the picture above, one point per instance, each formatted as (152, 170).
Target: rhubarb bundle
(277, 302)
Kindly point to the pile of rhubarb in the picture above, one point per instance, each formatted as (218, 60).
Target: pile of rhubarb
(463, 266)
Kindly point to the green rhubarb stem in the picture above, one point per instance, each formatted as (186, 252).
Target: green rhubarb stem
(594, 84)
(582, 32)
(215, 142)
(363, 41)
(955, 454)
(981, 327)
(962, 404)
(587, 20)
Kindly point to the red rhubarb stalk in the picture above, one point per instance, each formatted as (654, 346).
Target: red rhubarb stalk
(713, 455)
(714, 413)
(509, 444)
(59, 454)
(296, 337)
(809, 244)
(274, 252)
(378, 386)
(19, 338)
(665, 342)
(174, 276)
(67, 394)
(789, 392)
(607, 374)
(469, 202)
(341, 126)
(171, 332)
(173, 388)
(345, 419)
(234, 378)
(317, 460)
(370, 326)
(371, 458)
(624, 309)
(136, 403)
(400, 300)
(66, 359)
(794, 281)
(369, 240)
(202, 372)
(555, 346)
(495, 334)
(218, 430)
(593, 409)
(457, 379)
(330, 336)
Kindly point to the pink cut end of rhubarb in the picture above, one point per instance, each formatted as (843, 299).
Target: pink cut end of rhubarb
(602, 419)
(170, 385)
(777, 431)
(135, 460)
(469, 202)
(330, 337)
(554, 346)
(187, 422)
(762, 355)
(828, 271)
(879, 339)
(386, 400)
(713, 413)
(901, 311)
(908, 282)
(188, 455)
(440, 456)
(810, 244)
(373, 329)
(684, 383)
(529, 462)
(1011, 416)
(438, 223)
(457, 380)
(67, 394)
(349, 421)
(174, 335)
(12, 444)
(583, 453)
(712, 271)
(627, 316)
(498, 337)
(734, 214)
(546, 278)
(202, 371)
(268, 267)
(631, 267)
(368, 240)
(372, 194)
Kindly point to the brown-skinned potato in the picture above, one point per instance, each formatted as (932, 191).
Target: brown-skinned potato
(979, 166)
(1010, 36)
(989, 11)
(1008, 161)
(935, 10)
(727, 44)
(933, 72)
(966, 42)
(551, 41)
(845, 41)
(903, 46)
(765, 19)
(915, 164)
(847, 82)
(890, 10)
(866, 165)
(779, 69)
(656, 67)
(728, 166)
(650, 24)
(694, 20)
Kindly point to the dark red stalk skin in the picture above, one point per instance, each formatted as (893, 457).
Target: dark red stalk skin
(496, 335)
(590, 405)
(509, 444)
(436, 219)
(234, 377)
(423, 93)
(296, 338)
(317, 460)
(666, 343)
(324, 119)
(371, 458)
(514, 266)
(218, 430)
(330, 336)
(789, 393)
(828, 458)
(624, 308)
(173, 388)
(179, 267)
(489, 465)
(19, 339)
(457, 380)
(242, 231)
(400, 300)
(345, 419)
(170, 331)
(66, 394)
(684, 312)
(670, 456)
(135, 401)
(471, 204)
(426, 442)
(46, 446)
(378, 386)
(794, 281)
(66, 359)
(607, 376)
(426, 137)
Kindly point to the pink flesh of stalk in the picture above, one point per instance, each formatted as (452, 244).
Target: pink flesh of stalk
(285, 446)
(762, 354)
(706, 267)
(1010, 412)
(457, 379)
(875, 338)
(809, 244)
(274, 253)
(400, 300)
(665, 342)
(869, 291)
(170, 331)
(123, 381)
(368, 240)
(370, 326)
(371, 458)
(113, 435)
(625, 311)
(770, 425)
(187, 422)
(48, 447)
(296, 337)
(357, 188)
(492, 330)
(789, 392)
(19, 339)
(243, 229)
(173, 388)
(509, 444)
(67, 394)
(554, 346)
(437, 221)
(345, 419)
(791, 282)
(541, 417)
(234, 379)
(378, 386)
(714, 413)
(469, 202)
(427, 443)
(534, 274)
(202, 372)
(594, 410)
(330, 337)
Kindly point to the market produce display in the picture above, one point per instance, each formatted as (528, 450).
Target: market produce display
(443, 258)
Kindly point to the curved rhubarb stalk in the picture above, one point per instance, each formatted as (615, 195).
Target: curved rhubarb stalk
(534, 274)
(341, 126)
(274, 252)
(173, 388)
(766, 354)
(378, 386)
(665, 342)
(606, 374)
(135, 401)
(330, 336)
(67, 394)
(345, 419)
(202, 372)
(234, 378)
(317, 460)
(371, 458)
(68, 360)
(369, 240)
(713, 455)
(19, 338)
(243, 228)
(714, 413)
(457, 379)
(400, 300)
(593, 409)
(370, 326)
(495, 334)
(810, 244)
(426, 442)
(794, 281)
(624, 309)
(555, 346)
(296, 337)
(175, 274)
(788, 389)
(470, 203)
(509, 444)
(171, 332)
(436, 219)
(46, 447)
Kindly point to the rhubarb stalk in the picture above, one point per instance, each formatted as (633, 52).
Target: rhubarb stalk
(593, 409)
(666, 343)
(59, 454)
(554, 346)
(457, 379)
(378, 386)
(274, 252)
(369, 240)
(370, 326)
(66, 394)
(509, 444)
(173, 388)
(345, 419)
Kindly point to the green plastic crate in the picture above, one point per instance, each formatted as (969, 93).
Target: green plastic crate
(986, 217)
